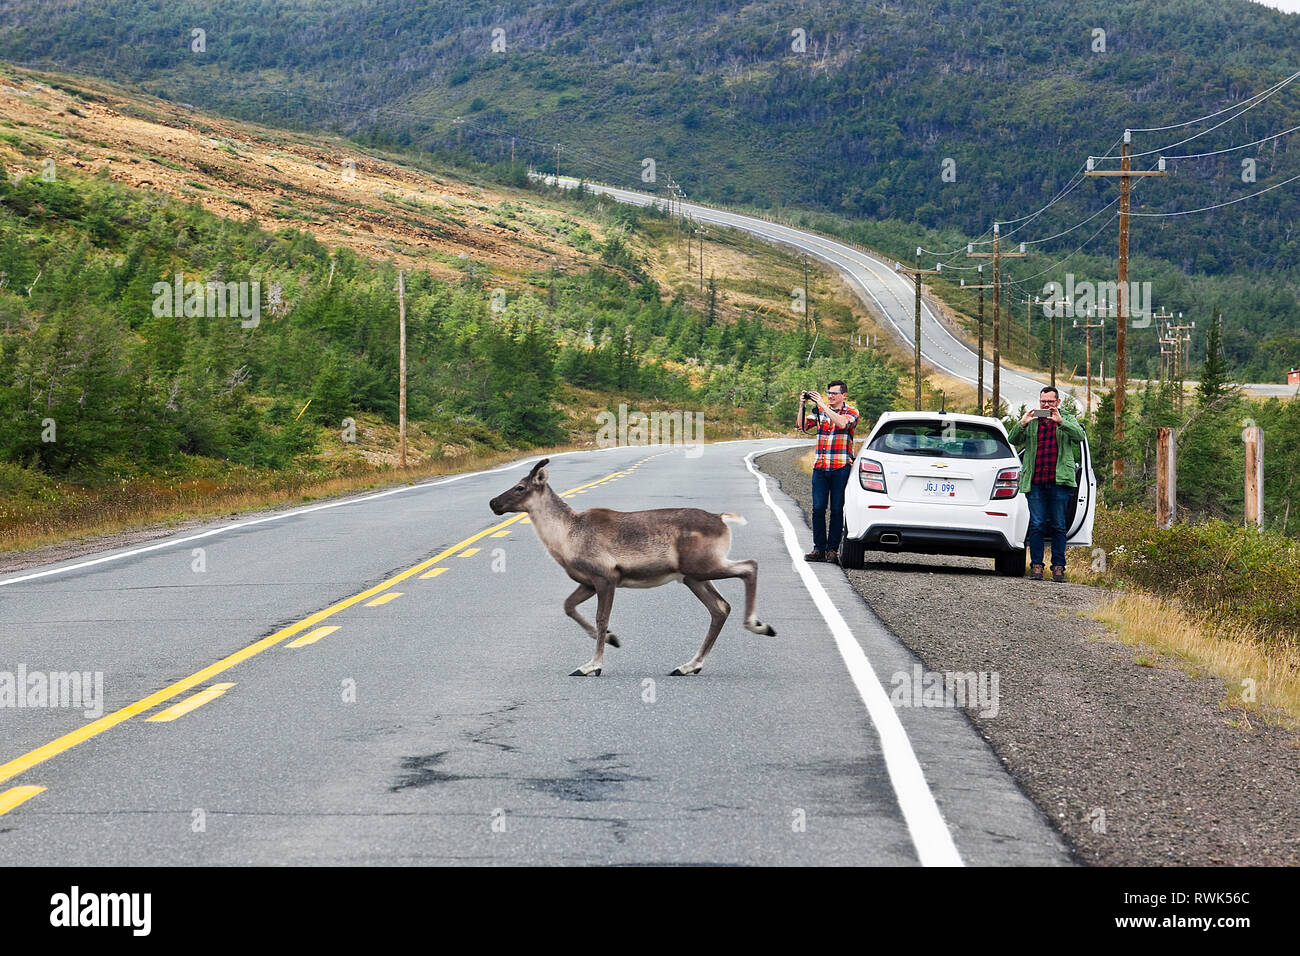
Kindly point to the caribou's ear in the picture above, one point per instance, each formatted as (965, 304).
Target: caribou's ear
(538, 474)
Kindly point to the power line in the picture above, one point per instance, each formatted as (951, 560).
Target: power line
(1188, 212)
(1241, 111)
(1233, 148)
(1266, 93)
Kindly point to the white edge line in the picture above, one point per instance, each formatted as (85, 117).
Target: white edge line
(930, 835)
(294, 512)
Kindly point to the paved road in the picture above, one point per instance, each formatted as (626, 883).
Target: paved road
(440, 726)
(889, 295)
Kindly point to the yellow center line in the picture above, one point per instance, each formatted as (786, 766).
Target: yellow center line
(499, 534)
(468, 551)
(311, 637)
(390, 596)
(433, 574)
(193, 702)
(16, 795)
(93, 729)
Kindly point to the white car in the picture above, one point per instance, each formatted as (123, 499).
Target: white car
(943, 483)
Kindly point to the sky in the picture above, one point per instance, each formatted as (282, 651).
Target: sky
(1286, 6)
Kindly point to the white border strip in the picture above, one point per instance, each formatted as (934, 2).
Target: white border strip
(934, 844)
(419, 486)
(173, 542)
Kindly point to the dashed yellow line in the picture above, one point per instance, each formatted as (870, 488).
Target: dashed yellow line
(311, 637)
(384, 598)
(432, 574)
(193, 702)
(59, 745)
(468, 551)
(501, 534)
(16, 795)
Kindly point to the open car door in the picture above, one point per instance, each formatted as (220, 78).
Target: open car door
(1083, 506)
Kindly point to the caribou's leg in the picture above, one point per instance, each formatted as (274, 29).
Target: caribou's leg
(747, 571)
(718, 611)
(604, 601)
(584, 592)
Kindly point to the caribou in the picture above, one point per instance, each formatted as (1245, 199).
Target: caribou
(602, 550)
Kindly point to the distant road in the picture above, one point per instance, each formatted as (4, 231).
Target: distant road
(889, 295)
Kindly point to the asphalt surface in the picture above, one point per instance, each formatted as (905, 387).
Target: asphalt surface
(440, 727)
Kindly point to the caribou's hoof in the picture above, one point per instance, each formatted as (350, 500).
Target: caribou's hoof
(612, 641)
(758, 627)
(686, 670)
(583, 671)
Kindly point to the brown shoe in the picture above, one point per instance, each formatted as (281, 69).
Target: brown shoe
(815, 556)
(1058, 573)
(1035, 572)
(832, 557)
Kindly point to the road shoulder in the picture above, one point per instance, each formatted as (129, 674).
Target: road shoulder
(1133, 765)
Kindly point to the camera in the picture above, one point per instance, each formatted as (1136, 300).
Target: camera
(806, 396)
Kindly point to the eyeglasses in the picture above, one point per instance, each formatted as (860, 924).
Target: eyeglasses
(836, 393)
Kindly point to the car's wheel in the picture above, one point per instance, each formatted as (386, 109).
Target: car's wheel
(1010, 564)
(851, 553)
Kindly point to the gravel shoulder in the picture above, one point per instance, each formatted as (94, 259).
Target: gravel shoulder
(1134, 765)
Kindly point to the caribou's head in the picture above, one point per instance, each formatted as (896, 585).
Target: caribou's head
(523, 495)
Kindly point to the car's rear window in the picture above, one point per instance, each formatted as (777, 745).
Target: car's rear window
(933, 439)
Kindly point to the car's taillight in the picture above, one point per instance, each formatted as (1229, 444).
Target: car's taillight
(1007, 483)
(870, 475)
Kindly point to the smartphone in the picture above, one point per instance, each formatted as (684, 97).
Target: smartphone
(1042, 413)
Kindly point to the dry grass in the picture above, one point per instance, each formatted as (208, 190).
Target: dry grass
(1263, 675)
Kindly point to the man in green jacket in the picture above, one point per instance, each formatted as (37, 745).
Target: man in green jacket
(1052, 443)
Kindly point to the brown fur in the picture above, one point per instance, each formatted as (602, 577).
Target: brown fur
(602, 550)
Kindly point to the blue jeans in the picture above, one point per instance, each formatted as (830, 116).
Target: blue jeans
(828, 487)
(1047, 504)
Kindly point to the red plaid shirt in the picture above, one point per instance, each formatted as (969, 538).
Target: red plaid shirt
(834, 445)
(1045, 453)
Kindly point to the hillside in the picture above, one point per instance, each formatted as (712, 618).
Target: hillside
(933, 117)
(527, 312)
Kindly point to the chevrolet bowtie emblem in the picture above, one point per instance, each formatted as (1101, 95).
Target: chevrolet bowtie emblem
(938, 464)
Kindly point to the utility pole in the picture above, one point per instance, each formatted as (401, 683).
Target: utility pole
(701, 232)
(1088, 326)
(1182, 340)
(401, 374)
(1125, 173)
(997, 255)
(916, 342)
(807, 299)
(982, 287)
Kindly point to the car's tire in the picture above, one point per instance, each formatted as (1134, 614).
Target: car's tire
(852, 552)
(1010, 564)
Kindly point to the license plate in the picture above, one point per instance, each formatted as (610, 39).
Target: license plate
(940, 489)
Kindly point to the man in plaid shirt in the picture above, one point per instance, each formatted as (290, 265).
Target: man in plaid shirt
(1052, 449)
(834, 419)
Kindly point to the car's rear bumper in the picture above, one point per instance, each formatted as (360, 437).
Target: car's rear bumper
(957, 529)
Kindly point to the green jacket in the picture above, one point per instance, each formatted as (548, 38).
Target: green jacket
(1069, 438)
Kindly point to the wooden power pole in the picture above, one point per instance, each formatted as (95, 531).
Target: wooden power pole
(916, 342)
(401, 364)
(1125, 173)
(982, 287)
(997, 255)
(1087, 327)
